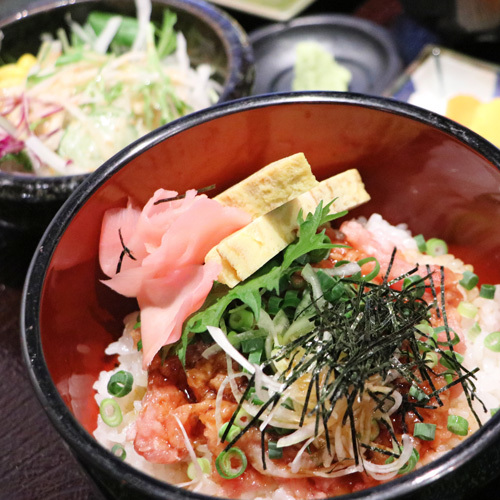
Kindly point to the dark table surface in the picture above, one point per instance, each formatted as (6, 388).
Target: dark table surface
(34, 462)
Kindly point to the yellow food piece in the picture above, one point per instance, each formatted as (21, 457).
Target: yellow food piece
(462, 108)
(486, 121)
(481, 117)
(15, 73)
(270, 186)
(247, 250)
(27, 61)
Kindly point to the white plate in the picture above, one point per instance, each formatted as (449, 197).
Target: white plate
(278, 10)
(439, 74)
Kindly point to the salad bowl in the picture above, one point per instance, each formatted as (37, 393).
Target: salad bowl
(420, 169)
(29, 201)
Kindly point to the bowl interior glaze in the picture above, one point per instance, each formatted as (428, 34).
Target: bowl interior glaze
(420, 169)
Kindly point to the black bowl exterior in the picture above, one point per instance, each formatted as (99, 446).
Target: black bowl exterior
(30, 202)
(475, 460)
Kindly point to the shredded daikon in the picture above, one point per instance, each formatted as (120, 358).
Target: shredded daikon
(388, 471)
(296, 465)
(103, 41)
(309, 275)
(348, 269)
(305, 432)
(143, 15)
(190, 450)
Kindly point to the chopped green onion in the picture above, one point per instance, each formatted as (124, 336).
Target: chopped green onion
(424, 431)
(126, 33)
(320, 254)
(242, 418)
(254, 399)
(493, 411)
(274, 451)
(448, 378)
(110, 412)
(112, 94)
(418, 393)
(474, 331)
(137, 324)
(205, 467)
(167, 41)
(302, 260)
(274, 305)
(424, 346)
(224, 463)
(119, 451)
(63, 38)
(332, 289)
(492, 341)
(375, 271)
(253, 345)
(291, 299)
(458, 425)
(425, 328)
(420, 241)
(288, 404)
(431, 359)
(335, 293)
(235, 340)
(120, 384)
(231, 434)
(139, 345)
(487, 291)
(341, 263)
(469, 280)
(412, 462)
(241, 320)
(415, 284)
(436, 247)
(467, 310)
(454, 340)
(375, 429)
(255, 357)
(447, 362)
(71, 57)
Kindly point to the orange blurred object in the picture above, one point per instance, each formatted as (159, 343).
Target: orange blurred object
(481, 117)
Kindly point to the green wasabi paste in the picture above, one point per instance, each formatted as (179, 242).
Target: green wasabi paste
(317, 69)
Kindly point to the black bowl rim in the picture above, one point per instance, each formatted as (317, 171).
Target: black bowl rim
(81, 442)
(232, 35)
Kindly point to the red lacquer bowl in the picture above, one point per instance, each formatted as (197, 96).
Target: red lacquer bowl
(422, 169)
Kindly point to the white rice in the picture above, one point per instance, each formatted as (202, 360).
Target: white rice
(477, 355)
(130, 359)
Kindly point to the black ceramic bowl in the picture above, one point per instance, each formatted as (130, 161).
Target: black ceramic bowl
(420, 168)
(29, 202)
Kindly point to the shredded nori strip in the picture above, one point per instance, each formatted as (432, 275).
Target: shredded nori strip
(357, 337)
(125, 251)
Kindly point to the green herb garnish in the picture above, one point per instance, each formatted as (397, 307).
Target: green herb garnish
(268, 278)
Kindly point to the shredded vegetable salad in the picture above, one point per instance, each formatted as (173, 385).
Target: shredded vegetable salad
(87, 95)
